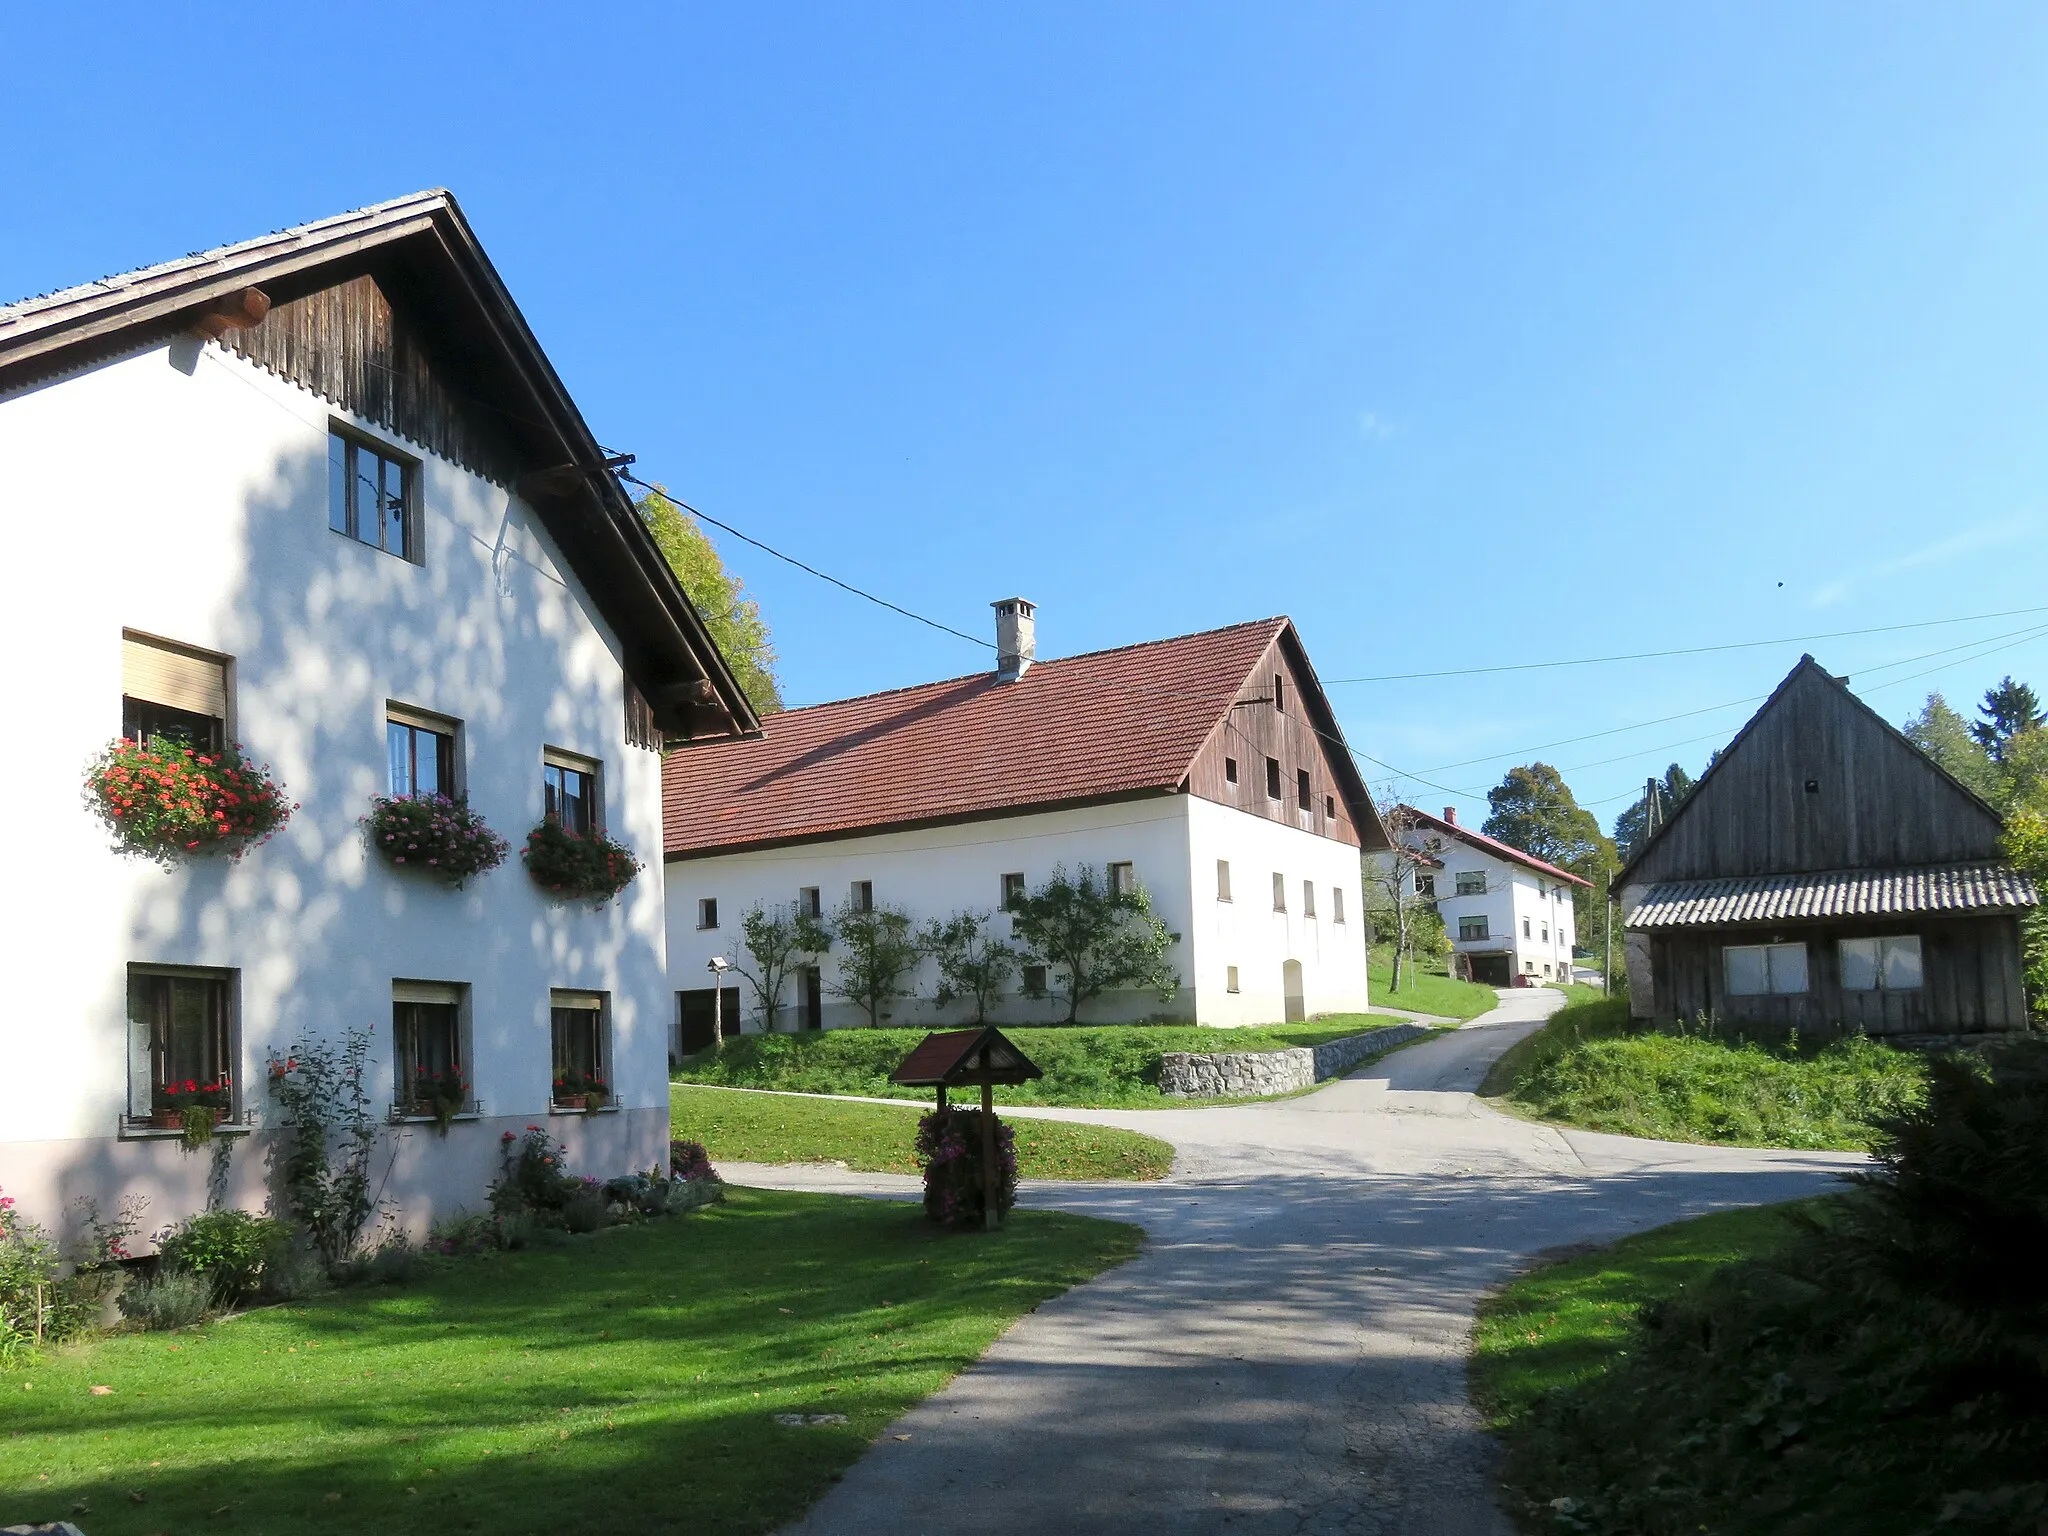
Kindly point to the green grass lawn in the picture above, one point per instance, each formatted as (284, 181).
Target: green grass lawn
(1558, 1326)
(1110, 1067)
(1430, 992)
(1589, 1067)
(881, 1138)
(625, 1382)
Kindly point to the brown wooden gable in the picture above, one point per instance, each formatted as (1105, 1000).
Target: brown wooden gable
(346, 343)
(1254, 730)
(1817, 780)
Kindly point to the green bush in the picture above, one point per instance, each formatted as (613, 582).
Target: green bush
(228, 1248)
(1590, 1066)
(171, 1298)
(1883, 1371)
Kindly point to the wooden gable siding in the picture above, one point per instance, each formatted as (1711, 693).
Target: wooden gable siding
(346, 343)
(1254, 731)
(1877, 801)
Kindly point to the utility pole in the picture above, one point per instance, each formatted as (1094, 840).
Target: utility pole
(1607, 928)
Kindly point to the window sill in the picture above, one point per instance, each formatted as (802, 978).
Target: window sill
(610, 1108)
(141, 1129)
(473, 1110)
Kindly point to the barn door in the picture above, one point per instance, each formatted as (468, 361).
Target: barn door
(1291, 990)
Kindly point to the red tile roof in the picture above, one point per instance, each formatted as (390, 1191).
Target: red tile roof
(1098, 726)
(1494, 846)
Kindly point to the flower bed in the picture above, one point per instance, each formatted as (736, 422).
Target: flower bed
(949, 1146)
(167, 801)
(436, 835)
(577, 868)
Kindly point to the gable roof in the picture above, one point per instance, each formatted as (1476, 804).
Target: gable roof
(1805, 672)
(1107, 725)
(426, 259)
(1494, 846)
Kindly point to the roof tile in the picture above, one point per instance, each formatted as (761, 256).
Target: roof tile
(1835, 893)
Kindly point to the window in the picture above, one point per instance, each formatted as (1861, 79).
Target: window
(1425, 885)
(707, 911)
(421, 751)
(1013, 890)
(1525, 928)
(1308, 898)
(1280, 692)
(1329, 807)
(862, 896)
(173, 693)
(1279, 892)
(811, 1006)
(426, 1044)
(569, 793)
(1881, 965)
(1272, 778)
(1304, 796)
(370, 495)
(1223, 879)
(581, 1056)
(1546, 933)
(1541, 892)
(1230, 770)
(1034, 981)
(1471, 882)
(1336, 903)
(1528, 967)
(807, 902)
(181, 1030)
(1757, 970)
(1230, 978)
(1472, 928)
(1122, 880)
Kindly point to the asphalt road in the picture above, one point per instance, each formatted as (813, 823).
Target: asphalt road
(1287, 1354)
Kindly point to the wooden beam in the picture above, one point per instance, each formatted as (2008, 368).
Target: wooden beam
(232, 312)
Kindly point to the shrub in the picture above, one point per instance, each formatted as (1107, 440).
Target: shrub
(167, 801)
(435, 834)
(324, 1158)
(533, 1174)
(949, 1147)
(584, 1210)
(390, 1262)
(577, 868)
(229, 1249)
(294, 1272)
(28, 1283)
(168, 1299)
(689, 1161)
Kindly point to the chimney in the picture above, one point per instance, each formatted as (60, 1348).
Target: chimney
(1451, 814)
(1016, 638)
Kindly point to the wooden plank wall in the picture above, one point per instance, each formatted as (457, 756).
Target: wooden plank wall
(1256, 731)
(1971, 971)
(1877, 802)
(345, 343)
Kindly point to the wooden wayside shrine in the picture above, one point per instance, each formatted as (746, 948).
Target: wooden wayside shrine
(959, 1058)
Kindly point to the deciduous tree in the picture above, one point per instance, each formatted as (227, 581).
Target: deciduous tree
(733, 618)
(1534, 810)
(1397, 910)
(1947, 737)
(877, 953)
(777, 940)
(1094, 938)
(972, 958)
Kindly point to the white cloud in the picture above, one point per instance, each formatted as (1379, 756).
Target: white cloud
(1940, 552)
(1375, 427)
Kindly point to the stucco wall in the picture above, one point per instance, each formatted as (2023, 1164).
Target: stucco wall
(190, 503)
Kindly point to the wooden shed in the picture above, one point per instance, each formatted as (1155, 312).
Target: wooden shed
(1824, 873)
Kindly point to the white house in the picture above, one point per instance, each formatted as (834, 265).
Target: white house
(1208, 768)
(1507, 913)
(321, 493)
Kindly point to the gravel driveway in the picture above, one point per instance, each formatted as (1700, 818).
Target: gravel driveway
(1287, 1354)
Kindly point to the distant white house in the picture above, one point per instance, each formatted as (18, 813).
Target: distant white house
(1207, 768)
(1507, 913)
(322, 494)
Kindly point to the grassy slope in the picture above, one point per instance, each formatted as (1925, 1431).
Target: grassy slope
(1114, 1067)
(767, 1128)
(631, 1374)
(1431, 992)
(1559, 1325)
(1585, 1068)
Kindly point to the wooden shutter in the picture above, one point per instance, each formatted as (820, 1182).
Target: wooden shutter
(158, 673)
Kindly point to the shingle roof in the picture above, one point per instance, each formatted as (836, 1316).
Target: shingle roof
(1097, 726)
(1835, 893)
(1492, 845)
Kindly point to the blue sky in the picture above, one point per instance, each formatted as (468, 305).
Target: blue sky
(1468, 336)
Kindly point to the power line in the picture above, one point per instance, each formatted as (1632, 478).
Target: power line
(1690, 650)
(844, 586)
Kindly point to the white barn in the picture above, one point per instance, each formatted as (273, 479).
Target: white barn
(182, 440)
(1208, 768)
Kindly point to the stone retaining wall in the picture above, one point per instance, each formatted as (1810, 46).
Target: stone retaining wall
(1258, 1074)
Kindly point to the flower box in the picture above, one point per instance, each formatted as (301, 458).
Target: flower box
(168, 801)
(592, 868)
(434, 835)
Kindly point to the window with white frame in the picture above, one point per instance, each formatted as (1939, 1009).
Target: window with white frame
(1425, 885)
(1223, 879)
(807, 901)
(1230, 978)
(707, 912)
(1763, 970)
(1889, 964)
(1471, 882)
(580, 1026)
(429, 1062)
(862, 896)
